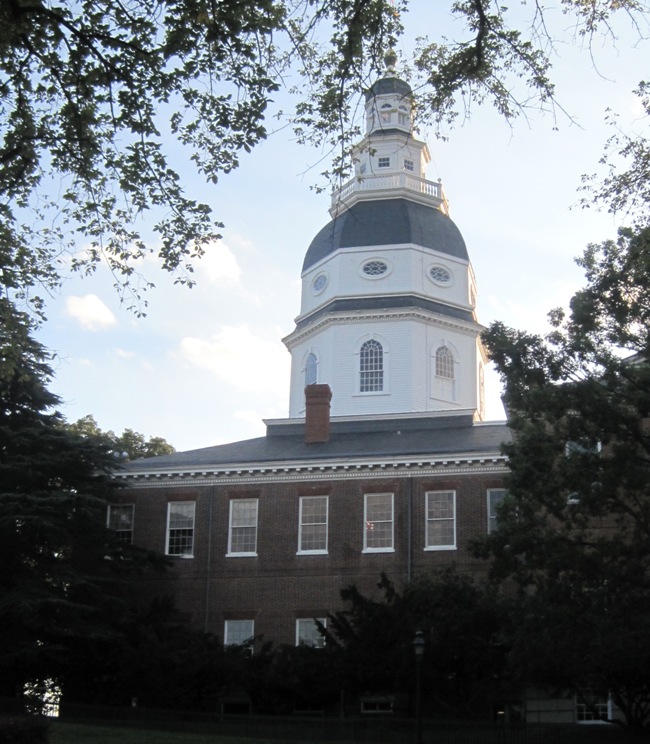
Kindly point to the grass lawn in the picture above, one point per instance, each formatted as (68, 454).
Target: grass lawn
(81, 733)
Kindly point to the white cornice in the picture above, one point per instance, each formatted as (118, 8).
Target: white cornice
(404, 467)
(468, 328)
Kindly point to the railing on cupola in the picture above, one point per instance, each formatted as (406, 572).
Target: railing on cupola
(390, 185)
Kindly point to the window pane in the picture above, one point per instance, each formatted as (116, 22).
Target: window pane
(495, 497)
(307, 633)
(243, 526)
(441, 519)
(313, 523)
(444, 363)
(371, 366)
(238, 632)
(379, 521)
(180, 531)
(311, 370)
(120, 520)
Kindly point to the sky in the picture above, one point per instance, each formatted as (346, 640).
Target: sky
(207, 365)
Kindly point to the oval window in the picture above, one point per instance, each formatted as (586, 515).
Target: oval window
(319, 283)
(375, 268)
(440, 274)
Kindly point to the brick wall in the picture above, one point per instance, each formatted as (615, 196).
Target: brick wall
(277, 585)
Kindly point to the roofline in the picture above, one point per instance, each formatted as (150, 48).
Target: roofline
(402, 466)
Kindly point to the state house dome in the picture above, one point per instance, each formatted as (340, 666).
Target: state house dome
(387, 222)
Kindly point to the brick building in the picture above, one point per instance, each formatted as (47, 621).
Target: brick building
(385, 462)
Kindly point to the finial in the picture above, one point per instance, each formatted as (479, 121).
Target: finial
(391, 60)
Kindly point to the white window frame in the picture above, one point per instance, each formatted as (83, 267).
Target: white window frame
(302, 523)
(492, 507)
(368, 497)
(233, 527)
(229, 627)
(113, 521)
(444, 360)
(190, 508)
(598, 711)
(383, 162)
(313, 638)
(373, 379)
(430, 521)
(409, 165)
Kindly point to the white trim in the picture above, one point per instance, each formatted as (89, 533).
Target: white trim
(390, 549)
(458, 464)
(427, 521)
(322, 620)
(242, 554)
(167, 528)
(319, 551)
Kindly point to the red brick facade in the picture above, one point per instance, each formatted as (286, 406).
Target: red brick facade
(277, 585)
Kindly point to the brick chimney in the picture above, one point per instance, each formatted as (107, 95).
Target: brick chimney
(317, 413)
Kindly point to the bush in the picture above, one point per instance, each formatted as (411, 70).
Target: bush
(24, 730)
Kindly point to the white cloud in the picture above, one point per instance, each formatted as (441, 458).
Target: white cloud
(219, 265)
(91, 313)
(236, 355)
(124, 354)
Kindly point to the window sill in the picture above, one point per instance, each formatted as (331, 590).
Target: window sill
(241, 555)
(435, 548)
(181, 556)
(378, 550)
(312, 552)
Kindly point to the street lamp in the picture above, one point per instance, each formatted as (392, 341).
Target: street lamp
(418, 648)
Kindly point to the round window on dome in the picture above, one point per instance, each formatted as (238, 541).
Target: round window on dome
(374, 268)
(319, 283)
(440, 275)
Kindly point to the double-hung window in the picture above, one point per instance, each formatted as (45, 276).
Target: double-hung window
(238, 632)
(494, 497)
(308, 633)
(180, 528)
(441, 520)
(312, 530)
(242, 535)
(378, 523)
(120, 520)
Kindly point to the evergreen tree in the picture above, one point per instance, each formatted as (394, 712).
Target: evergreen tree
(63, 575)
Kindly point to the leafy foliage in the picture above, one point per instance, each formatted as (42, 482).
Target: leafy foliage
(129, 445)
(624, 189)
(97, 96)
(575, 530)
(464, 626)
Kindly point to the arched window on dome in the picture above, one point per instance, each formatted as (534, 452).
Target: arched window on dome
(444, 363)
(371, 367)
(311, 369)
(444, 373)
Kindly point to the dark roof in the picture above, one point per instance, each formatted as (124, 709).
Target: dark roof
(387, 222)
(389, 85)
(386, 302)
(364, 438)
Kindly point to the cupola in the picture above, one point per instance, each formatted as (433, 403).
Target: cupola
(387, 316)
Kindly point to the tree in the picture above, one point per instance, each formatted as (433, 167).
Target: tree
(464, 625)
(574, 533)
(97, 94)
(129, 445)
(64, 574)
(625, 191)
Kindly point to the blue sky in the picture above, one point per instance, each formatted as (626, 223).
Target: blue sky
(206, 365)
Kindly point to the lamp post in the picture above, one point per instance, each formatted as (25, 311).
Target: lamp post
(418, 648)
